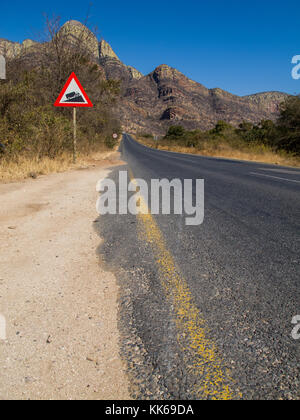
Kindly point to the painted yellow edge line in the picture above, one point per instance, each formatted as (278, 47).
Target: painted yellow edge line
(213, 380)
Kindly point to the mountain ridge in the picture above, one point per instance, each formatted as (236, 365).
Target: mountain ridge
(165, 96)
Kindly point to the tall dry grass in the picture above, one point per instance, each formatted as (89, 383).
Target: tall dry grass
(222, 150)
(26, 167)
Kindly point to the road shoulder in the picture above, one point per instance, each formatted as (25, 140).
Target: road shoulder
(60, 306)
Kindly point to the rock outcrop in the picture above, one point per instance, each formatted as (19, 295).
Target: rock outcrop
(77, 33)
(135, 74)
(113, 66)
(105, 51)
(14, 49)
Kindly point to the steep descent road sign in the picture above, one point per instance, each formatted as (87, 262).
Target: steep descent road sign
(73, 94)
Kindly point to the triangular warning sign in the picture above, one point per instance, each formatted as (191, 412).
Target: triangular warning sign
(73, 94)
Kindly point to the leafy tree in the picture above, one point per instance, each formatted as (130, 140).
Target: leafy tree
(267, 132)
(289, 126)
(221, 126)
(175, 131)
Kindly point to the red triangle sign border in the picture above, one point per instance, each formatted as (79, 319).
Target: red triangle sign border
(58, 102)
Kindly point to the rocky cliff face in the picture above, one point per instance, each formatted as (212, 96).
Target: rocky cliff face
(113, 66)
(269, 101)
(75, 32)
(14, 49)
(164, 97)
(105, 51)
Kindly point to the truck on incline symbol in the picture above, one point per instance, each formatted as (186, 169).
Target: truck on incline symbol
(74, 97)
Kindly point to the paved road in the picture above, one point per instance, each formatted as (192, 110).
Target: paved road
(207, 310)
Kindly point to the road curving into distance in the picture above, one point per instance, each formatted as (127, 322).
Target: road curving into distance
(206, 311)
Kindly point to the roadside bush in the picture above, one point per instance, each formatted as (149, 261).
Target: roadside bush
(146, 135)
(110, 142)
(175, 131)
(288, 137)
(282, 137)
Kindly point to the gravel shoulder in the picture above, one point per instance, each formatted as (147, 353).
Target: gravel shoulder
(60, 306)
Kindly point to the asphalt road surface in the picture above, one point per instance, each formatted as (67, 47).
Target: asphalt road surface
(206, 311)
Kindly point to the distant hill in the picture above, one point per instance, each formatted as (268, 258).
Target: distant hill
(164, 97)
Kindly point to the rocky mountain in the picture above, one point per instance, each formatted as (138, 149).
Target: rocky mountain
(164, 97)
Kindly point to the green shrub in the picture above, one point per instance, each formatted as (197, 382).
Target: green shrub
(175, 131)
(110, 142)
(146, 136)
(282, 137)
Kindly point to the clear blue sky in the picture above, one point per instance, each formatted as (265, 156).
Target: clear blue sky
(240, 46)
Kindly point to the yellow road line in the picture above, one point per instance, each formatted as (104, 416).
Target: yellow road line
(204, 363)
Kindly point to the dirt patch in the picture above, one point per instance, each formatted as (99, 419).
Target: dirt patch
(60, 306)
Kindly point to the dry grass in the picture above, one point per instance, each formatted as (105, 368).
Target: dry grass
(26, 167)
(263, 154)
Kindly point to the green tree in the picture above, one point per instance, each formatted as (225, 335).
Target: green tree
(289, 126)
(221, 127)
(175, 131)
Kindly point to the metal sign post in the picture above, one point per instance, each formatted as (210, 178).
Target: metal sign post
(73, 95)
(2, 79)
(74, 136)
